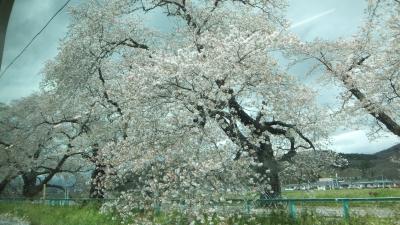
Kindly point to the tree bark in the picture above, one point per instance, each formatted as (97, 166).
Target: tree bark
(264, 154)
(30, 189)
(95, 185)
(381, 116)
(4, 183)
(269, 170)
(97, 174)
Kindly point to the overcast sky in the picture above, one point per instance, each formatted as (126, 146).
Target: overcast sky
(327, 19)
(27, 18)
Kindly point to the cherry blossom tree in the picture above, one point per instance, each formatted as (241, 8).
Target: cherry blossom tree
(41, 141)
(8, 160)
(202, 109)
(16, 140)
(224, 74)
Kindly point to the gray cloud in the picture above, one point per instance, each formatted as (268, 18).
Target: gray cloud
(26, 19)
(343, 22)
(357, 142)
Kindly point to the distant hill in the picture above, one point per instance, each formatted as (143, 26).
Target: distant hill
(393, 151)
(373, 166)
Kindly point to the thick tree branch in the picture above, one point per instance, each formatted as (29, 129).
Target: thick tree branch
(267, 126)
(378, 114)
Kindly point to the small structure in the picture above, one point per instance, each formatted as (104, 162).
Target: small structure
(332, 183)
(373, 184)
(325, 183)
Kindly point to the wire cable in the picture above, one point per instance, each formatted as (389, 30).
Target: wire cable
(31, 41)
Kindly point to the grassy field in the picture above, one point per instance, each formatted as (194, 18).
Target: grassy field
(344, 193)
(89, 215)
(57, 215)
(348, 193)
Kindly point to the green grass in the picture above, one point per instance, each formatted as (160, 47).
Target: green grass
(89, 215)
(58, 215)
(343, 193)
(278, 217)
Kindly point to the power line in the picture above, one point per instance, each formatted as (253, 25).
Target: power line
(31, 41)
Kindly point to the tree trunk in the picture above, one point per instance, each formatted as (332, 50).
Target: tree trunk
(30, 189)
(269, 171)
(4, 183)
(97, 174)
(95, 185)
(275, 183)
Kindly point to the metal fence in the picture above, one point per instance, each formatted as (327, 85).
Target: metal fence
(54, 201)
(344, 202)
(264, 206)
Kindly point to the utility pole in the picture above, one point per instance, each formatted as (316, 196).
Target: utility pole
(5, 12)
